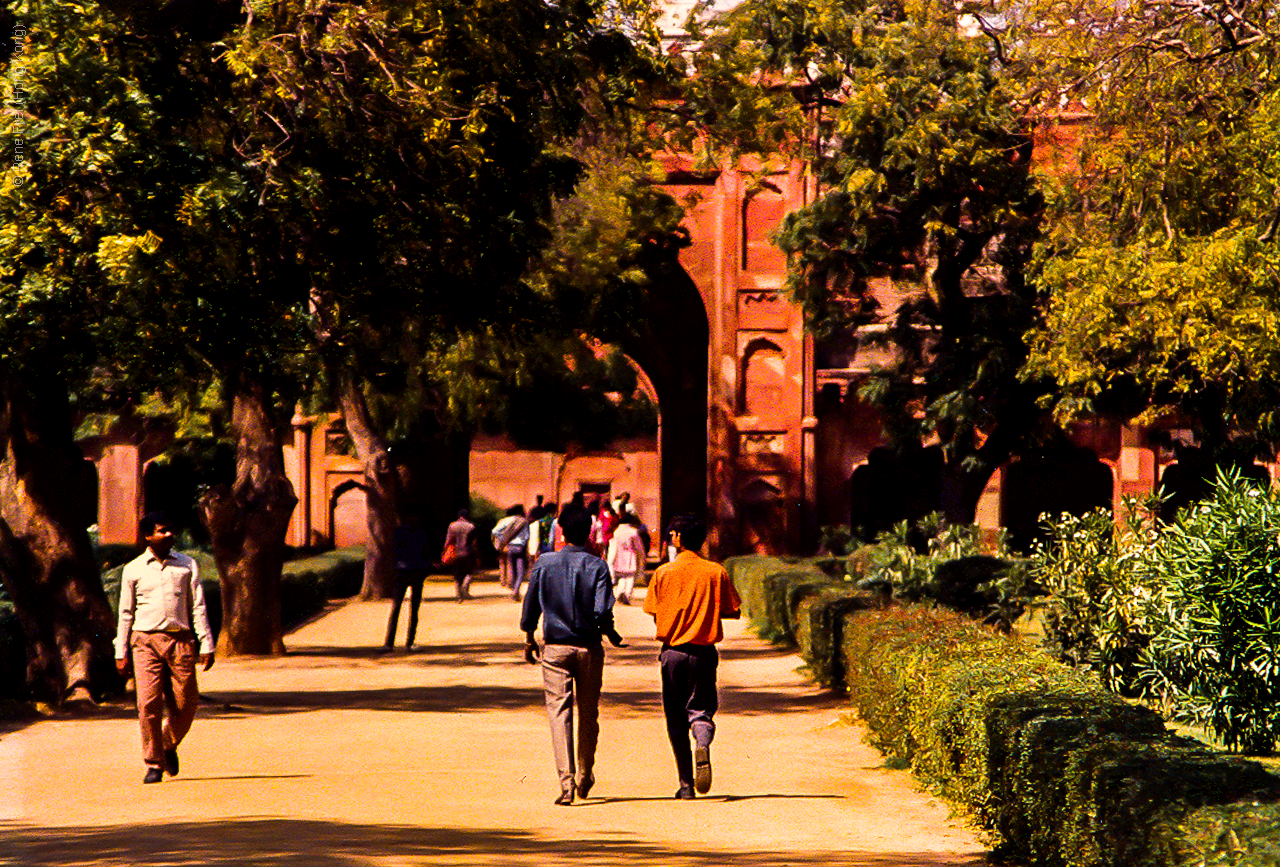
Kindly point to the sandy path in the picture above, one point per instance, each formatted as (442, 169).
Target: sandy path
(335, 755)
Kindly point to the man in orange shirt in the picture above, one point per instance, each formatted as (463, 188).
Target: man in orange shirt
(688, 597)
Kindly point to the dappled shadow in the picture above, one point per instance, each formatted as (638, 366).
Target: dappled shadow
(724, 799)
(418, 699)
(478, 653)
(750, 702)
(466, 698)
(305, 843)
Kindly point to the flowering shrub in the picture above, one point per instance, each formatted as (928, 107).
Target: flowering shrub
(1100, 592)
(1187, 614)
(1214, 656)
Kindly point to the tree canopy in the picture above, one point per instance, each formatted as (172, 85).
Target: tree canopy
(1161, 258)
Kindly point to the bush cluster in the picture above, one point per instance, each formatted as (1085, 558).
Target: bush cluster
(949, 564)
(1054, 768)
(1187, 614)
(1098, 593)
(795, 601)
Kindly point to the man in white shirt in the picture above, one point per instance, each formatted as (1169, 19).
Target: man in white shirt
(164, 622)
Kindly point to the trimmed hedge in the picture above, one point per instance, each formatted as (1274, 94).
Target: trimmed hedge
(794, 601)
(1056, 770)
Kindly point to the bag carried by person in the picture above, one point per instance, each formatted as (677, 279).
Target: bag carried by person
(509, 532)
(450, 555)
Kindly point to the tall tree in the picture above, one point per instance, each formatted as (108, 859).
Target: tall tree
(920, 153)
(410, 155)
(62, 196)
(133, 193)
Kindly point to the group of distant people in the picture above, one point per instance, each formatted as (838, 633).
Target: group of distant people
(617, 535)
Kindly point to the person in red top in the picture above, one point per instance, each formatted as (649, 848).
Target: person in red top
(688, 598)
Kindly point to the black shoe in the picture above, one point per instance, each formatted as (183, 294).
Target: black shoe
(566, 798)
(154, 775)
(171, 762)
(702, 769)
(584, 787)
(685, 792)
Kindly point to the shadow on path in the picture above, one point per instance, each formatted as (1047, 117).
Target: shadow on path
(463, 698)
(723, 799)
(306, 843)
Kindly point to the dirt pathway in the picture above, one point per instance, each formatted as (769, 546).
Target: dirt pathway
(335, 755)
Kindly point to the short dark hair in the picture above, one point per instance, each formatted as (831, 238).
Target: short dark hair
(575, 523)
(147, 523)
(692, 530)
(463, 513)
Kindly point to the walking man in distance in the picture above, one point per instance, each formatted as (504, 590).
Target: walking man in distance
(164, 623)
(688, 598)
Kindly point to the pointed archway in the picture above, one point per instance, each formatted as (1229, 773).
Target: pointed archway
(670, 343)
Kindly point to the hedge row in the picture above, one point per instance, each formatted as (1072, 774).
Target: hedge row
(1054, 769)
(793, 601)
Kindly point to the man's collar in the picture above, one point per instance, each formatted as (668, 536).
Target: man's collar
(153, 558)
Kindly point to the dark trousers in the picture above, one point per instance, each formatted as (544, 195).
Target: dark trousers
(406, 579)
(462, 576)
(689, 699)
(518, 564)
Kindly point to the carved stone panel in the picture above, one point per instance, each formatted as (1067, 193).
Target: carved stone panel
(764, 309)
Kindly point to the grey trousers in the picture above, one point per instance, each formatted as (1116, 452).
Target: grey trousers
(572, 675)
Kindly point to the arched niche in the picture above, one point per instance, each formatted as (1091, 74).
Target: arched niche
(763, 380)
(762, 515)
(347, 514)
(1069, 480)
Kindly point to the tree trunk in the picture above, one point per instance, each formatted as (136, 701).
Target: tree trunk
(382, 489)
(248, 523)
(46, 561)
(962, 489)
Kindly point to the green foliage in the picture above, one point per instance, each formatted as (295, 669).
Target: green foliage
(1237, 835)
(1161, 251)
(837, 540)
(1056, 770)
(338, 573)
(1215, 646)
(1187, 614)
(1100, 590)
(955, 568)
(748, 574)
(794, 601)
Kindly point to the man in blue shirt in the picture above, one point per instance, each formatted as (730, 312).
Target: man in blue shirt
(572, 593)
